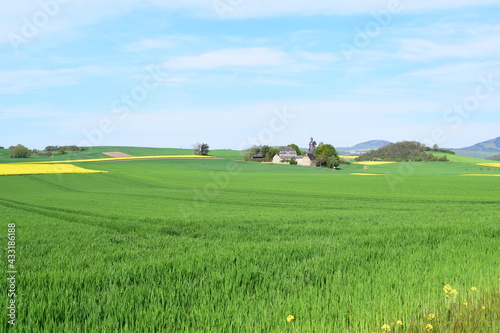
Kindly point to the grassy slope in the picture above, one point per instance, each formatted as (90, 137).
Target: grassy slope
(476, 154)
(157, 245)
(460, 158)
(4, 153)
(97, 152)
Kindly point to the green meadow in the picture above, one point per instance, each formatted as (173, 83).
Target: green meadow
(224, 245)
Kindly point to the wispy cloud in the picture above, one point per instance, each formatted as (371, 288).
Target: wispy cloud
(318, 57)
(163, 42)
(30, 112)
(263, 8)
(277, 82)
(23, 81)
(227, 58)
(416, 49)
(458, 72)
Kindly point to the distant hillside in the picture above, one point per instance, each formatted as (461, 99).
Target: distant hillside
(372, 144)
(363, 147)
(484, 149)
(492, 145)
(404, 151)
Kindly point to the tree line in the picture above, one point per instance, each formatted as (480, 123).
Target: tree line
(20, 151)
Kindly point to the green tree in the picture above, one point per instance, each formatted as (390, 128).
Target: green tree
(19, 151)
(267, 153)
(326, 155)
(271, 152)
(297, 149)
(201, 149)
(252, 151)
(52, 148)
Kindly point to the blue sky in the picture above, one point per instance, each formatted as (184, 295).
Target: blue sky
(234, 73)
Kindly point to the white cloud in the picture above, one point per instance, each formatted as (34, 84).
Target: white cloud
(318, 57)
(163, 42)
(415, 49)
(76, 13)
(263, 8)
(241, 57)
(147, 44)
(29, 112)
(459, 72)
(22, 81)
(432, 42)
(277, 82)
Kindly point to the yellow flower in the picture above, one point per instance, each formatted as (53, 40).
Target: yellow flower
(484, 307)
(473, 288)
(39, 169)
(432, 316)
(447, 288)
(399, 322)
(290, 318)
(429, 327)
(386, 328)
(465, 303)
(453, 292)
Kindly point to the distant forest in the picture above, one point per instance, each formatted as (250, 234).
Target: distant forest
(405, 151)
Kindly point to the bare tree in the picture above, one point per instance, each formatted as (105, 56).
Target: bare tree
(201, 148)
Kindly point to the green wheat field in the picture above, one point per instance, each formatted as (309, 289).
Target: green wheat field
(224, 245)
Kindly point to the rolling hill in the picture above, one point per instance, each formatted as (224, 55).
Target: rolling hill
(372, 144)
(492, 145)
(482, 149)
(226, 245)
(364, 146)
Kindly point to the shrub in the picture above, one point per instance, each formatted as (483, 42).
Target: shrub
(19, 151)
(494, 158)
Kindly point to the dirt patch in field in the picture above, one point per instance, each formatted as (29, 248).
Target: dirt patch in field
(117, 154)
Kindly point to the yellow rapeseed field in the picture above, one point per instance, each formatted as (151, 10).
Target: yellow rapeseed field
(126, 158)
(344, 156)
(373, 162)
(494, 165)
(38, 169)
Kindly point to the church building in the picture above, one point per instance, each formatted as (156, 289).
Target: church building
(288, 153)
